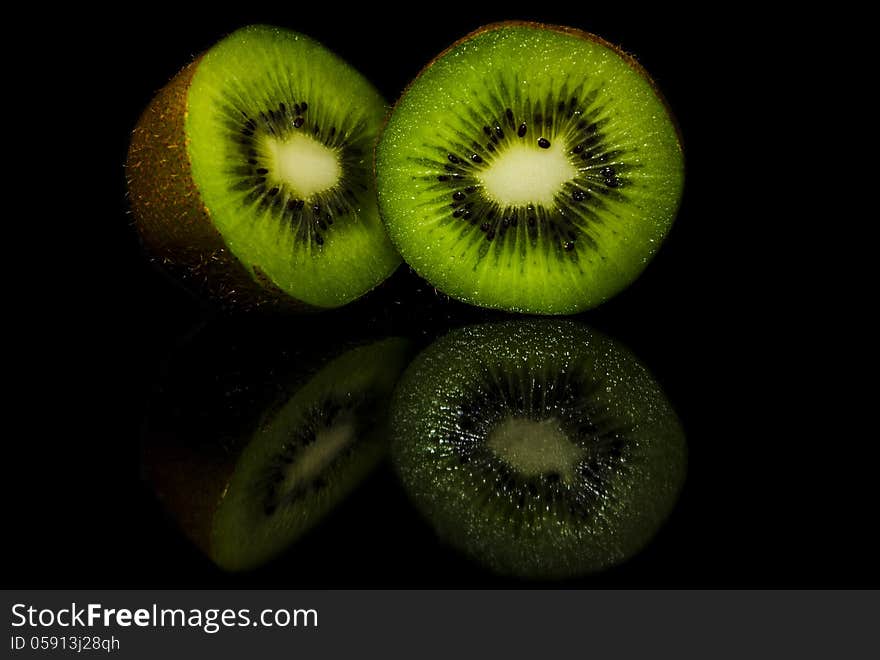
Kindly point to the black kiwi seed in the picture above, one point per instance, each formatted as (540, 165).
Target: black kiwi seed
(298, 122)
(522, 130)
(476, 158)
(453, 159)
(458, 195)
(544, 143)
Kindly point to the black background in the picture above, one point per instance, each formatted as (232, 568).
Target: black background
(766, 503)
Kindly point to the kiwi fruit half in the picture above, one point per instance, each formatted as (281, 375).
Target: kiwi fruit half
(538, 447)
(530, 168)
(250, 175)
(246, 466)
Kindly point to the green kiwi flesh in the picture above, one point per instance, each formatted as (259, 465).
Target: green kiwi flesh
(530, 168)
(307, 455)
(250, 174)
(539, 448)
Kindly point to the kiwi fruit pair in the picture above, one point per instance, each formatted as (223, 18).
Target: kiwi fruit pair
(529, 168)
(539, 448)
(251, 452)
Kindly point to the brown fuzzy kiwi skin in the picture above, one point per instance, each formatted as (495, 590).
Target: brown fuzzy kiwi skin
(173, 222)
(189, 481)
(574, 32)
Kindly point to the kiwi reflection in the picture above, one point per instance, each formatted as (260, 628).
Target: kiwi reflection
(540, 448)
(252, 441)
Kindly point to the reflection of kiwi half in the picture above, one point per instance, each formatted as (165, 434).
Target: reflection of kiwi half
(245, 499)
(250, 174)
(308, 456)
(540, 448)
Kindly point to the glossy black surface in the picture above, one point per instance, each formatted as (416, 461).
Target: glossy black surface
(769, 500)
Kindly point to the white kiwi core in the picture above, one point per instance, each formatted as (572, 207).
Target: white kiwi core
(314, 459)
(536, 448)
(523, 175)
(304, 165)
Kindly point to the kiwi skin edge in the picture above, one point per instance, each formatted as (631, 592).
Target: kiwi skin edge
(189, 483)
(175, 227)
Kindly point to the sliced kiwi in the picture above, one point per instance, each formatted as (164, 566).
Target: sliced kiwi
(538, 447)
(250, 174)
(530, 168)
(247, 468)
(308, 457)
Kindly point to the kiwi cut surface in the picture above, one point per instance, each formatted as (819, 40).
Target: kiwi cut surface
(249, 459)
(540, 448)
(250, 174)
(530, 168)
